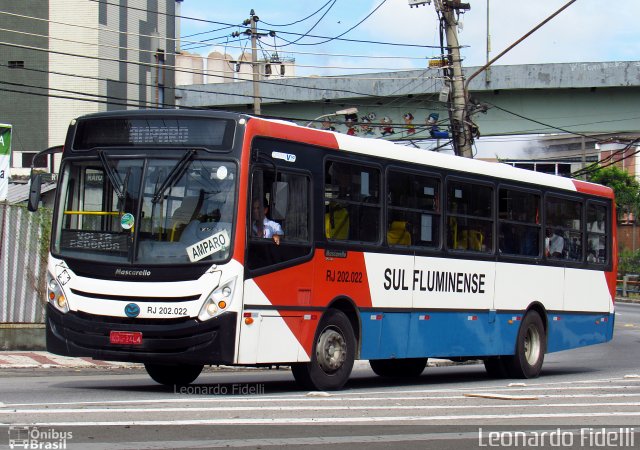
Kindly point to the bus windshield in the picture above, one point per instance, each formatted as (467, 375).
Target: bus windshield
(146, 210)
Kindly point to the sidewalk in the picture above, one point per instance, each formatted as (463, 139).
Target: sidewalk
(33, 359)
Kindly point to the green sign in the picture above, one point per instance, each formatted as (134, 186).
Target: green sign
(5, 159)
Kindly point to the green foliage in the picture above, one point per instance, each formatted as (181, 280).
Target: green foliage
(629, 262)
(625, 187)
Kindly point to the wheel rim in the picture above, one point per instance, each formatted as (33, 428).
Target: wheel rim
(532, 345)
(331, 351)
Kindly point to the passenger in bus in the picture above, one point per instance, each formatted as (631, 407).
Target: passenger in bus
(261, 226)
(556, 244)
(596, 243)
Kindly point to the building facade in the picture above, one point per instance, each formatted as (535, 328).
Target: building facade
(65, 58)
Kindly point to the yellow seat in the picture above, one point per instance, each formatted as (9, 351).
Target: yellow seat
(336, 223)
(398, 233)
(472, 240)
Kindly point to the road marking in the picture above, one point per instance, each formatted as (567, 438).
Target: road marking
(287, 441)
(301, 398)
(311, 408)
(332, 420)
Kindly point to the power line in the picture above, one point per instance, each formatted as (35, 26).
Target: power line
(342, 34)
(155, 52)
(281, 32)
(152, 65)
(196, 19)
(314, 25)
(538, 122)
(300, 20)
(202, 43)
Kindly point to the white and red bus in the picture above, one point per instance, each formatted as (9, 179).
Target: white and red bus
(190, 238)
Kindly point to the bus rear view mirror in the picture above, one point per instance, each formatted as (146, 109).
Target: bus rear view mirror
(34, 192)
(280, 202)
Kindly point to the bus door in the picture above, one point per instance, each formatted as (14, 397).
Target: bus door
(279, 284)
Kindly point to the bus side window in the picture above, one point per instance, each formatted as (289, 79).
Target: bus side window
(352, 202)
(563, 238)
(413, 216)
(519, 222)
(469, 216)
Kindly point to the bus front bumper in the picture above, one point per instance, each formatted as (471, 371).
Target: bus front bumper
(180, 341)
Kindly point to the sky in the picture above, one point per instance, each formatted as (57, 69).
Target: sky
(587, 31)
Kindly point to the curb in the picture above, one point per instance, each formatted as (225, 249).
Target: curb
(627, 300)
(46, 360)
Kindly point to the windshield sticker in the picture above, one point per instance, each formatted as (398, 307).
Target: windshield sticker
(288, 157)
(208, 246)
(222, 173)
(126, 221)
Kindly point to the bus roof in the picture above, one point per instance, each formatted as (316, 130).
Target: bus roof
(394, 151)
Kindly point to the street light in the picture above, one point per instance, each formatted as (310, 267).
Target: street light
(342, 112)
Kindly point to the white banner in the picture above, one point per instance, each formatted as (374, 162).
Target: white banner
(5, 159)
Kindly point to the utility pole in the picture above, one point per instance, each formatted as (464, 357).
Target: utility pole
(254, 62)
(252, 31)
(460, 126)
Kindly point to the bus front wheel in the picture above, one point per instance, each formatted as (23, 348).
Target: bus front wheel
(531, 345)
(409, 367)
(173, 374)
(332, 356)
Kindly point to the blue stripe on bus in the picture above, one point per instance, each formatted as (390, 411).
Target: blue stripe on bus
(459, 333)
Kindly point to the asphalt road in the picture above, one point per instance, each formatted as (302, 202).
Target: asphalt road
(584, 398)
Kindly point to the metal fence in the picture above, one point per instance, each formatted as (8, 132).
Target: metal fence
(24, 240)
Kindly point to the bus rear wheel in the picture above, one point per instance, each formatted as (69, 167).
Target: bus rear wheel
(332, 356)
(173, 374)
(409, 367)
(531, 345)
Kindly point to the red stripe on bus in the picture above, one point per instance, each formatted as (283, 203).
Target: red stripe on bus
(291, 133)
(603, 191)
(593, 189)
(327, 279)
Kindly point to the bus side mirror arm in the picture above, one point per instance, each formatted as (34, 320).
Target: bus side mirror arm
(34, 192)
(36, 178)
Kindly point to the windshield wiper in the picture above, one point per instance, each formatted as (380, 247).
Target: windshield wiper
(174, 175)
(115, 179)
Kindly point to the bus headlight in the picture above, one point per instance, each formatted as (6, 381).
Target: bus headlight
(55, 294)
(218, 300)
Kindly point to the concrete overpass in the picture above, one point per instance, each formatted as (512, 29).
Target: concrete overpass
(599, 97)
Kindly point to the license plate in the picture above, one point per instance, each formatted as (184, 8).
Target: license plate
(125, 337)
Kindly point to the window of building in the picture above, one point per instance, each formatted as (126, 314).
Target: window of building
(160, 77)
(27, 160)
(352, 202)
(469, 216)
(413, 212)
(563, 235)
(519, 229)
(16, 65)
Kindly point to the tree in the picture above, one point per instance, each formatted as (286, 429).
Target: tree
(625, 187)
